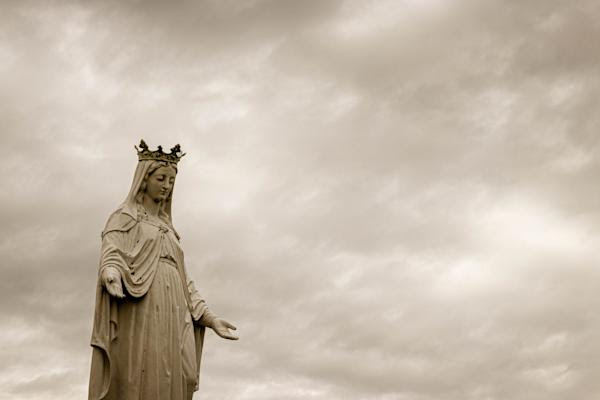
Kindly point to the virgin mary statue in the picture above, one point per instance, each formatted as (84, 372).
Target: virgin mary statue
(149, 319)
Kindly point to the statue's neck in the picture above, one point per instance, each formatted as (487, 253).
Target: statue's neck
(151, 206)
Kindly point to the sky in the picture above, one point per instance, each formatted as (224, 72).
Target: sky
(392, 200)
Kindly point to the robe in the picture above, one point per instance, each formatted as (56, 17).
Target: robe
(147, 345)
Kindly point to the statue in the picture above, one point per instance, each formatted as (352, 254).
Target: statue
(149, 319)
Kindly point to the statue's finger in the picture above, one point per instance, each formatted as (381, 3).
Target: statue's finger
(110, 290)
(230, 325)
(115, 290)
(229, 336)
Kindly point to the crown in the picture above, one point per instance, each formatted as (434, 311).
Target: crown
(145, 154)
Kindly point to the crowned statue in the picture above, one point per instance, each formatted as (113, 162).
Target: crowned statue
(149, 319)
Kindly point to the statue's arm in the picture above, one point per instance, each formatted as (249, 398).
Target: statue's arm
(200, 311)
(111, 263)
(203, 316)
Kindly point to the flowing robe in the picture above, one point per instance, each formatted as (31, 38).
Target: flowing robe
(145, 346)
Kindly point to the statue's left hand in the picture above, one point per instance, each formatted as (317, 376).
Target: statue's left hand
(221, 328)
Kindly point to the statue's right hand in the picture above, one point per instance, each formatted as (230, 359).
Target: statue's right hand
(111, 278)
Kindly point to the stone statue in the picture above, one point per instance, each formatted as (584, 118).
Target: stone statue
(149, 319)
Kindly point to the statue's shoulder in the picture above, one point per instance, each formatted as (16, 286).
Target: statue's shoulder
(119, 221)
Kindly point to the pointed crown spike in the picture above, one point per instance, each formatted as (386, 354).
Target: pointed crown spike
(144, 153)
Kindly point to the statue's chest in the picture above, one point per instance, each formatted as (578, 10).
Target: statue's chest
(160, 233)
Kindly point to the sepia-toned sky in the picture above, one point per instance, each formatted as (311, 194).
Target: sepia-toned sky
(392, 200)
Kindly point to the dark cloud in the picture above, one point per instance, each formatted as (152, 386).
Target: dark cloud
(392, 200)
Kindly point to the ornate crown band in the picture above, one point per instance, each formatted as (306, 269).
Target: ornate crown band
(145, 154)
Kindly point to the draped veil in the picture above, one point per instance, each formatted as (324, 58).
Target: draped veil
(129, 206)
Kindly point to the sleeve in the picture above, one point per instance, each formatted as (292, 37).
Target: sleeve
(115, 239)
(200, 311)
(111, 258)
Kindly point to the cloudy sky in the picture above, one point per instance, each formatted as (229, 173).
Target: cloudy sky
(392, 200)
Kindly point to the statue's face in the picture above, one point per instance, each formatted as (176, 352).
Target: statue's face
(160, 183)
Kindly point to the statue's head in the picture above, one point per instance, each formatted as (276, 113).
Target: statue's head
(158, 181)
(159, 177)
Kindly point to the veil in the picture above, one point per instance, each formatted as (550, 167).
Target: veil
(129, 207)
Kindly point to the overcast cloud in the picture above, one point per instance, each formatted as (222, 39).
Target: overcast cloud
(392, 200)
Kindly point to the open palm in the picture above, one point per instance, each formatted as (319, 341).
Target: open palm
(222, 327)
